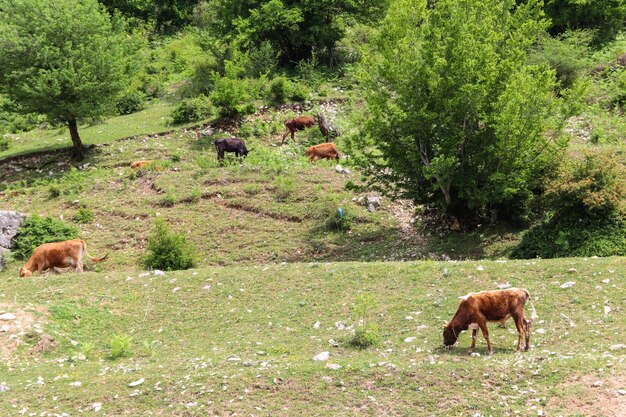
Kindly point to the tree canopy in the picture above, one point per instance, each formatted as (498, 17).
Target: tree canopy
(66, 59)
(456, 115)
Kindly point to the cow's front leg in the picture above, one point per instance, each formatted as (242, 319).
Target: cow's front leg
(483, 327)
(474, 335)
(519, 323)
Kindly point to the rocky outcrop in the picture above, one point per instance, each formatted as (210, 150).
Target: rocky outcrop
(10, 222)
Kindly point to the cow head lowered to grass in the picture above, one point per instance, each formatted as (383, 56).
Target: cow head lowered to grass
(477, 309)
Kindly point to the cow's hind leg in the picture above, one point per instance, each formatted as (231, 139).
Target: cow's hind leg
(474, 336)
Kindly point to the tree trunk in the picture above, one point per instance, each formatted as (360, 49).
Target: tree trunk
(78, 152)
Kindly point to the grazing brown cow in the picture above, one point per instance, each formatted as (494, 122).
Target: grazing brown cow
(58, 255)
(476, 309)
(297, 123)
(322, 151)
(139, 164)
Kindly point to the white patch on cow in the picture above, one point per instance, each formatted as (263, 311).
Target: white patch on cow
(473, 326)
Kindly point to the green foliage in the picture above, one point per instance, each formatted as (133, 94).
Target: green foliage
(594, 186)
(338, 219)
(604, 17)
(587, 206)
(284, 186)
(13, 119)
(279, 90)
(84, 215)
(252, 189)
(192, 110)
(567, 54)
(366, 333)
(262, 60)
(230, 94)
(120, 346)
(66, 59)
(169, 199)
(456, 117)
(168, 251)
(573, 237)
(5, 143)
(295, 29)
(131, 102)
(37, 230)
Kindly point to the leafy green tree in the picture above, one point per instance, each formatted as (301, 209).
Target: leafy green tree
(295, 28)
(457, 118)
(605, 17)
(164, 15)
(66, 59)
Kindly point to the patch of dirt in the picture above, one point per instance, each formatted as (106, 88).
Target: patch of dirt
(12, 332)
(586, 397)
(45, 344)
(404, 212)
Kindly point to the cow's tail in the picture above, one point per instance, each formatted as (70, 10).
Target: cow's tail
(533, 315)
(92, 258)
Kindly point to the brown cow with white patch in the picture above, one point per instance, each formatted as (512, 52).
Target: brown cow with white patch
(322, 151)
(58, 255)
(476, 309)
(297, 123)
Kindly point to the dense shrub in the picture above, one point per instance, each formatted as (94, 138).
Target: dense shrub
(131, 102)
(230, 95)
(192, 110)
(280, 89)
(587, 208)
(37, 230)
(168, 251)
(262, 60)
(5, 143)
(84, 215)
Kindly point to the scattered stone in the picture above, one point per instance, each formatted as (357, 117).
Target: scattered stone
(606, 281)
(137, 382)
(96, 406)
(7, 316)
(333, 342)
(410, 339)
(176, 289)
(76, 384)
(339, 325)
(597, 384)
(567, 284)
(5, 328)
(316, 325)
(475, 354)
(10, 222)
(572, 270)
(158, 273)
(372, 203)
(504, 286)
(322, 356)
(619, 391)
(540, 331)
(480, 268)
(607, 310)
(233, 358)
(333, 366)
(4, 387)
(618, 347)
(342, 170)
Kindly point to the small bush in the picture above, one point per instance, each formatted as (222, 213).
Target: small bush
(366, 333)
(300, 92)
(176, 157)
(192, 110)
(5, 143)
(36, 231)
(195, 196)
(338, 219)
(168, 251)
(169, 199)
(230, 93)
(120, 346)
(131, 102)
(284, 187)
(280, 89)
(54, 191)
(252, 189)
(84, 215)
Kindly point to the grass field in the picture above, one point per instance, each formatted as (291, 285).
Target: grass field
(241, 341)
(237, 336)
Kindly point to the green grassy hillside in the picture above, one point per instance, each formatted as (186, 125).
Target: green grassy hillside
(241, 341)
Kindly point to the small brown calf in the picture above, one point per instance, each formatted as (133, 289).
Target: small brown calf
(476, 309)
(322, 151)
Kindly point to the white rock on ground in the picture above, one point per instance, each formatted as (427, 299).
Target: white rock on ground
(137, 382)
(322, 356)
(567, 284)
(7, 316)
(333, 366)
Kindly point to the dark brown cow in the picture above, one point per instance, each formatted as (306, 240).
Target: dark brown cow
(58, 255)
(322, 151)
(235, 145)
(476, 309)
(297, 123)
